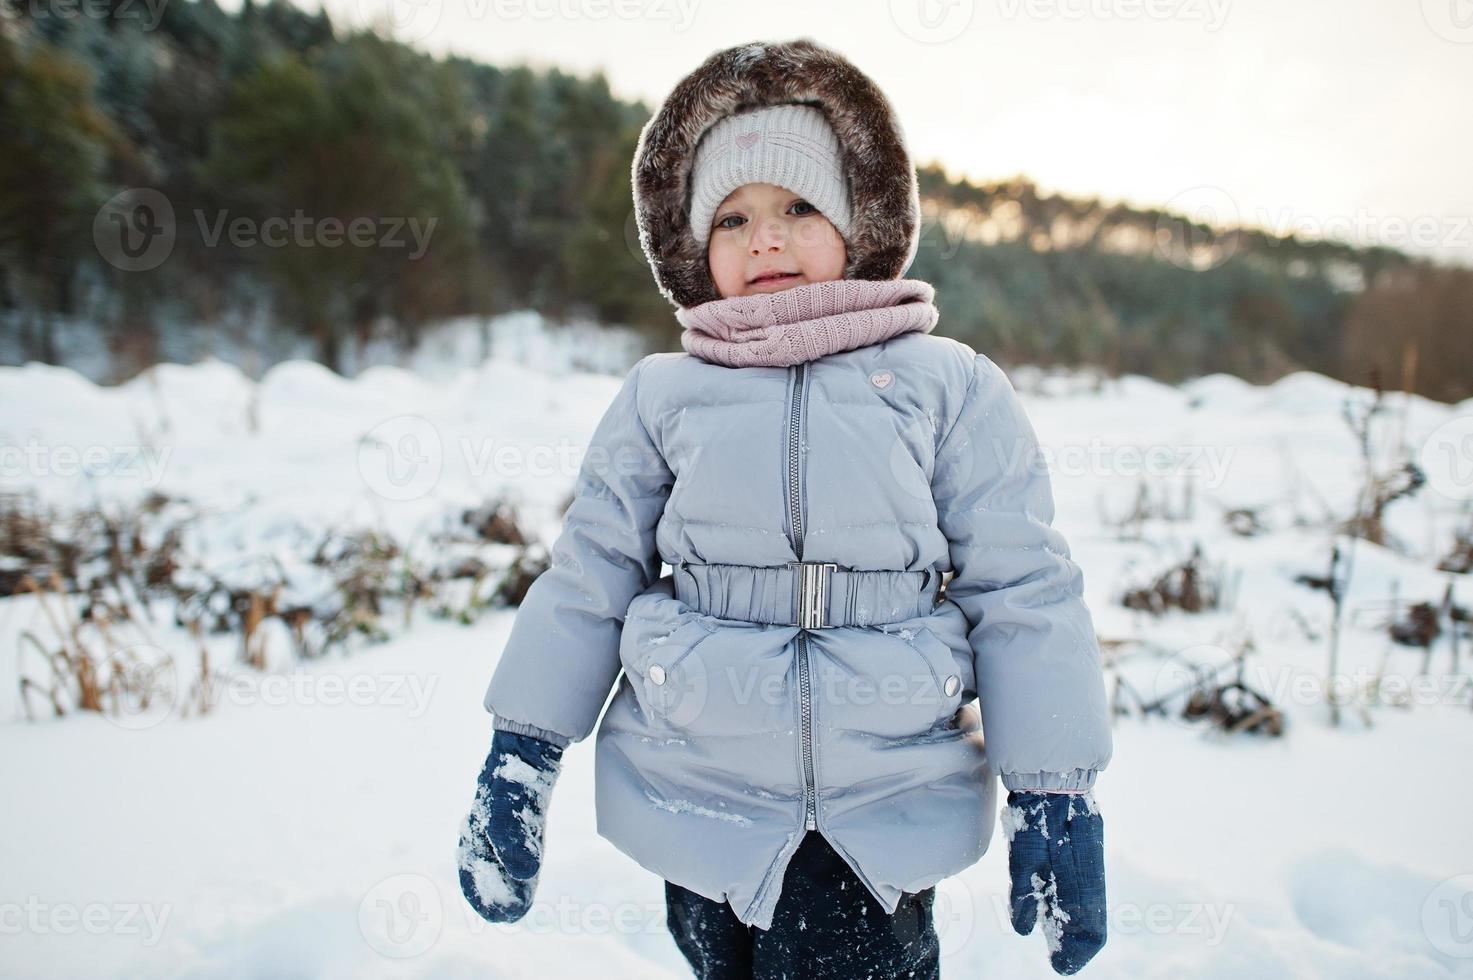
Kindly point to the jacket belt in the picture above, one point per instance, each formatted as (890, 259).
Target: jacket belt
(813, 595)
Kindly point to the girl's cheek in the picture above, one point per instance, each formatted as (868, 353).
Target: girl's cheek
(815, 233)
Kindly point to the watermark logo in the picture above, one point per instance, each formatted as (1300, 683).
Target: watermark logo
(932, 21)
(907, 472)
(1191, 232)
(139, 686)
(403, 20)
(1447, 916)
(401, 916)
(954, 914)
(1446, 457)
(1451, 20)
(1184, 672)
(401, 459)
(680, 690)
(135, 230)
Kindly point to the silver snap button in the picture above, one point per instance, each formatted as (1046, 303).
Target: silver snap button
(953, 684)
(657, 674)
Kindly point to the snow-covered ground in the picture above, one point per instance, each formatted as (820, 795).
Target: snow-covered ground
(306, 826)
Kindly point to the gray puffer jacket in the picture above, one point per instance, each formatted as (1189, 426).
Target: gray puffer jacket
(733, 729)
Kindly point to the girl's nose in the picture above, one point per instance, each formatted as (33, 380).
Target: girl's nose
(768, 233)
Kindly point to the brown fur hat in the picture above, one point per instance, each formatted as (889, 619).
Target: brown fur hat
(884, 195)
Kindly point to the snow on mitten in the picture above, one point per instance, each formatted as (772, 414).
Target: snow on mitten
(1056, 858)
(500, 854)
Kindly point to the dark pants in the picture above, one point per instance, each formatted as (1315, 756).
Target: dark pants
(827, 926)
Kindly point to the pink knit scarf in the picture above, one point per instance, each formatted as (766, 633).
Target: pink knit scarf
(803, 323)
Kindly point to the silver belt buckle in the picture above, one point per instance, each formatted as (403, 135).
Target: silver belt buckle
(813, 592)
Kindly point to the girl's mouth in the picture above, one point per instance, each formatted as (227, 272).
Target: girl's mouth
(774, 277)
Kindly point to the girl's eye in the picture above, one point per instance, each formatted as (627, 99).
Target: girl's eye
(738, 218)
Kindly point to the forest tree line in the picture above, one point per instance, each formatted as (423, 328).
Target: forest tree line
(469, 189)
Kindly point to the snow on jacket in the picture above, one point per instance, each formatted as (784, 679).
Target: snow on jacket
(732, 730)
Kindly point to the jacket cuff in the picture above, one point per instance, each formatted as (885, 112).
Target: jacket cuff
(1073, 781)
(522, 728)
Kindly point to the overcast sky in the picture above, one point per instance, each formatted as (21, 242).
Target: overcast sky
(1347, 117)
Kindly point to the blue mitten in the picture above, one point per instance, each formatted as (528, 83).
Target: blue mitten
(1056, 858)
(500, 854)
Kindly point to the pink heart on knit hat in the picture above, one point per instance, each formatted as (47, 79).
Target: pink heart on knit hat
(746, 140)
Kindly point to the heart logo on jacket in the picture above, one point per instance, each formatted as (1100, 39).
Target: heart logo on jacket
(747, 140)
(881, 379)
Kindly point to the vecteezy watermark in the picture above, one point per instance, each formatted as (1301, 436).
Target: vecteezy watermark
(304, 231)
(139, 686)
(404, 20)
(1446, 457)
(1367, 227)
(401, 916)
(1183, 672)
(679, 13)
(932, 21)
(136, 230)
(94, 918)
(415, 20)
(1451, 20)
(1195, 230)
(565, 915)
(1447, 916)
(401, 458)
(315, 689)
(682, 691)
(37, 459)
(1098, 458)
(1207, 921)
(566, 458)
(148, 13)
(899, 681)
(1200, 228)
(1212, 13)
(1011, 458)
(1203, 666)
(952, 913)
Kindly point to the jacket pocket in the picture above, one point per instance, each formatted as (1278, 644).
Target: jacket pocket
(955, 679)
(891, 681)
(703, 675)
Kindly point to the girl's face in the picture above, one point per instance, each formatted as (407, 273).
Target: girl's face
(764, 228)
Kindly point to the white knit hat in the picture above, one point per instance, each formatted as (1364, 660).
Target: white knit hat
(789, 145)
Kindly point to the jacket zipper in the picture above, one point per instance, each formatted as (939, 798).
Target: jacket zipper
(805, 686)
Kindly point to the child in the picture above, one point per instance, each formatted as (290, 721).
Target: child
(859, 532)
